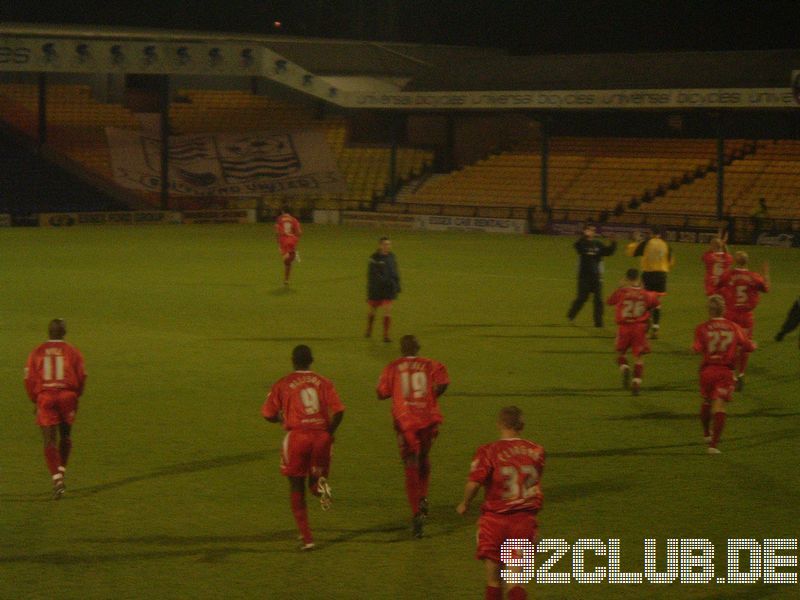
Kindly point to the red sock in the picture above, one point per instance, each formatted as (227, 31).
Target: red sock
(719, 425)
(412, 488)
(493, 593)
(424, 476)
(301, 516)
(64, 448)
(622, 360)
(705, 418)
(743, 356)
(53, 459)
(517, 593)
(638, 369)
(370, 321)
(387, 321)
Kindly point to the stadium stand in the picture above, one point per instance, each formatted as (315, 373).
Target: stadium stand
(76, 125)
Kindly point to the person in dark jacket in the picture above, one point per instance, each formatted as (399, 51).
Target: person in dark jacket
(590, 272)
(791, 322)
(383, 285)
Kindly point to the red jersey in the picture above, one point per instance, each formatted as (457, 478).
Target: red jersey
(510, 471)
(54, 365)
(716, 264)
(719, 340)
(741, 289)
(633, 304)
(287, 226)
(304, 400)
(411, 383)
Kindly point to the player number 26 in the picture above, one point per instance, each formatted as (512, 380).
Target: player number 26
(632, 308)
(511, 481)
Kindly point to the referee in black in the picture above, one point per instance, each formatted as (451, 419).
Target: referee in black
(791, 322)
(590, 272)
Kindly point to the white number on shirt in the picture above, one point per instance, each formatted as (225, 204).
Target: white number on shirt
(719, 341)
(416, 383)
(511, 488)
(287, 227)
(632, 309)
(310, 400)
(53, 368)
(741, 295)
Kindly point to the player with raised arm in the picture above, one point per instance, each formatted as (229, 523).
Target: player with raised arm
(741, 289)
(414, 384)
(54, 379)
(634, 304)
(308, 407)
(657, 260)
(288, 230)
(718, 340)
(717, 260)
(510, 470)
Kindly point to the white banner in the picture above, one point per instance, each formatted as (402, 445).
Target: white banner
(577, 99)
(142, 217)
(434, 222)
(224, 164)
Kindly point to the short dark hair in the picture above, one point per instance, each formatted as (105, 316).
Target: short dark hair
(383, 239)
(301, 356)
(510, 417)
(632, 274)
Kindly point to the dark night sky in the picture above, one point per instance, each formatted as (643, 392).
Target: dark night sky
(522, 26)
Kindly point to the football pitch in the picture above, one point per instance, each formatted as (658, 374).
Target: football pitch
(173, 484)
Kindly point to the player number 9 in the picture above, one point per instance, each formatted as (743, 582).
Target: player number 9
(310, 400)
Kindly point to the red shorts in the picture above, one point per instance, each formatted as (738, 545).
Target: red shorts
(378, 303)
(633, 336)
(306, 452)
(287, 244)
(717, 383)
(56, 406)
(743, 319)
(495, 528)
(415, 441)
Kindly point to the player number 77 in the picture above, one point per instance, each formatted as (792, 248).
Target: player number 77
(511, 481)
(719, 341)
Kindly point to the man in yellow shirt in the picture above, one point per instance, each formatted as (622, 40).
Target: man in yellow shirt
(656, 262)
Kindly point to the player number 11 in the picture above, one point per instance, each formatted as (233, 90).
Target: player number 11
(48, 364)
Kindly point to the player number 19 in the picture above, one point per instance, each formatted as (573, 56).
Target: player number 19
(416, 383)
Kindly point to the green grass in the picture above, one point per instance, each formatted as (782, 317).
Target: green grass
(174, 490)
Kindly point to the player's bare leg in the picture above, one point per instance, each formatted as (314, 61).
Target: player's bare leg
(288, 259)
(411, 463)
(297, 486)
(53, 459)
(719, 409)
(705, 419)
(636, 382)
(370, 320)
(424, 469)
(494, 586)
(387, 322)
(741, 365)
(625, 370)
(64, 446)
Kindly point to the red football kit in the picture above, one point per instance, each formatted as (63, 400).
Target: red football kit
(633, 305)
(719, 340)
(411, 383)
(54, 380)
(716, 264)
(289, 231)
(510, 471)
(306, 403)
(741, 289)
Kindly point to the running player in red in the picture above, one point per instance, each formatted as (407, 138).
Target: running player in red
(718, 340)
(740, 288)
(310, 410)
(414, 384)
(289, 231)
(54, 380)
(510, 470)
(634, 304)
(717, 260)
